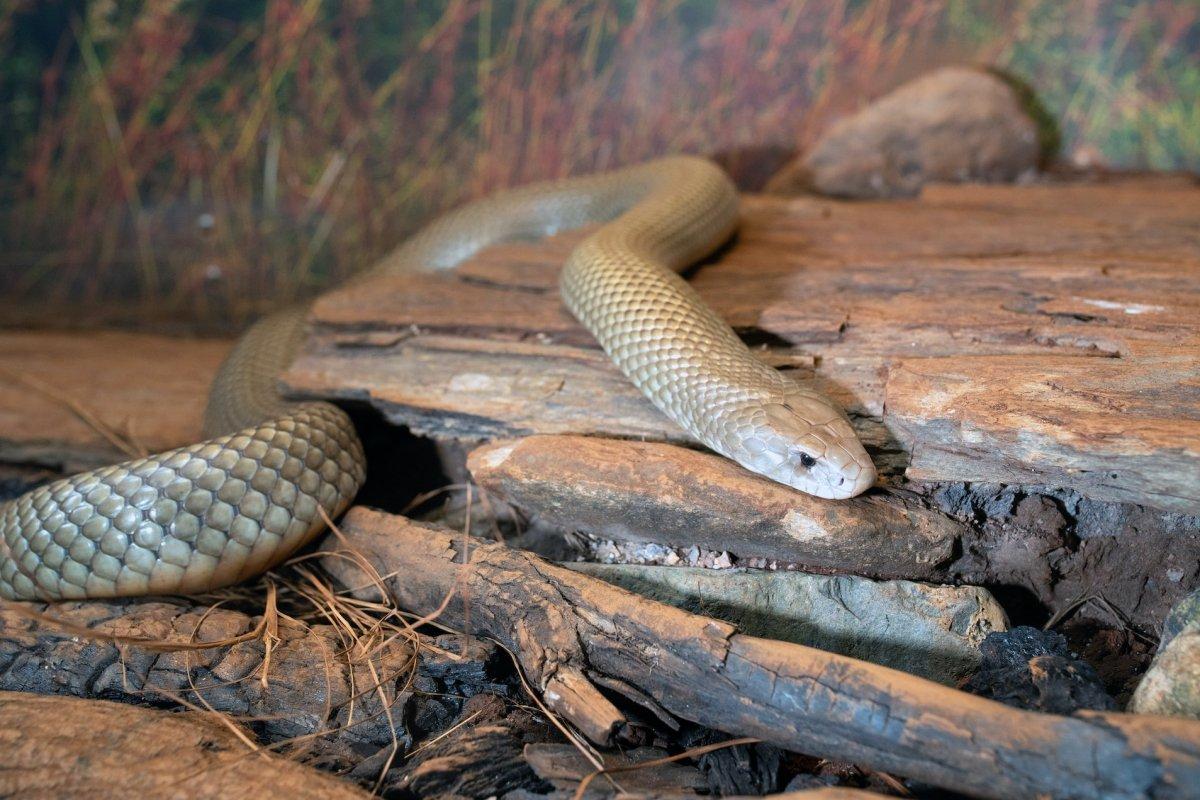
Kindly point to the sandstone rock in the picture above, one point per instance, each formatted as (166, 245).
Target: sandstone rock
(1171, 686)
(927, 630)
(952, 125)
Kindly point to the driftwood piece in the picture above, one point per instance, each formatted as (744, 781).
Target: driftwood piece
(565, 626)
(149, 389)
(54, 747)
(312, 686)
(1097, 281)
(671, 495)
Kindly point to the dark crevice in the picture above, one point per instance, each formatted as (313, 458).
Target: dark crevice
(400, 465)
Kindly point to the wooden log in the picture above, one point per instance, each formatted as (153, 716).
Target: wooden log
(67, 747)
(1145, 560)
(149, 389)
(670, 495)
(312, 688)
(1096, 281)
(1111, 428)
(565, 626)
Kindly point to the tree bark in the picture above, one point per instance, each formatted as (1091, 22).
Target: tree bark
(313, 688)
(565, 627)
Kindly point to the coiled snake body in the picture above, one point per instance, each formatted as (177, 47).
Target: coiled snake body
(213, 513)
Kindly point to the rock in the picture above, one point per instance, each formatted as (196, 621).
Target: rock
(926, 630)
(952, 125)
(1033, 669)
(1171, 686)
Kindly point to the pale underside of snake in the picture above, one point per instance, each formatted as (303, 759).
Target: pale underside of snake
(214, 513)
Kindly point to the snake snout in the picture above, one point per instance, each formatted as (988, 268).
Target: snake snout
(809, 445)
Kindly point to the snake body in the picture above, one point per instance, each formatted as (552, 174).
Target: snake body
(214, 513)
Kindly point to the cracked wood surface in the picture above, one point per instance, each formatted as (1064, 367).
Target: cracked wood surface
(565, 626)
(313, 686)
(140, 752)
(1071, 303)
(1142, 561)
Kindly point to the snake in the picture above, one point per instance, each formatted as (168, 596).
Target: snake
(272, 472)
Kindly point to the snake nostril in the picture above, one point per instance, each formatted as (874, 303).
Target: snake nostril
(841, 480)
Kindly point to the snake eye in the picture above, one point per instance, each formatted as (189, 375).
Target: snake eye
(807, 461)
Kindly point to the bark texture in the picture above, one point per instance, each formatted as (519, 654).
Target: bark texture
(1041, 335)
(313, 685)
(1058, 547)
(566, 627)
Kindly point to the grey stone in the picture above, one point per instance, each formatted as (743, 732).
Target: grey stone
(1171, 687)
(955, 124)
(927, 630)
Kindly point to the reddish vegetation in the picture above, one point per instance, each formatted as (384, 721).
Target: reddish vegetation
(317, 135)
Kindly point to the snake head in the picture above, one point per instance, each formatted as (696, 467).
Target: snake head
(807, 443)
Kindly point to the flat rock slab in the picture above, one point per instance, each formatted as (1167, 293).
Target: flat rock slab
(148, 389)
(923, 629)
(1076, 305)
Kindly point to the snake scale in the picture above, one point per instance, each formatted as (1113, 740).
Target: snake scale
(214, 513)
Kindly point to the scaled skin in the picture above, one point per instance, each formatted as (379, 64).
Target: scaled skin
(214, 513)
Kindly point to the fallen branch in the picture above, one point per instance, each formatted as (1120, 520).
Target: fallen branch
(67, 747)
(314, 692)
(567, 627)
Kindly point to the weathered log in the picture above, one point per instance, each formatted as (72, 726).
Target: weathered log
(565, 626)
(1094, 280)
(1145, 560)
(827, 793)
(479, 755)
(563, 766)
(313, 688)
(66, 747)
(1122, 429)
(671, 495)
(150, 390)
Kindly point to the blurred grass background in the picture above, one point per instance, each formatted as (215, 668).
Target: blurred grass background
(196, 163)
